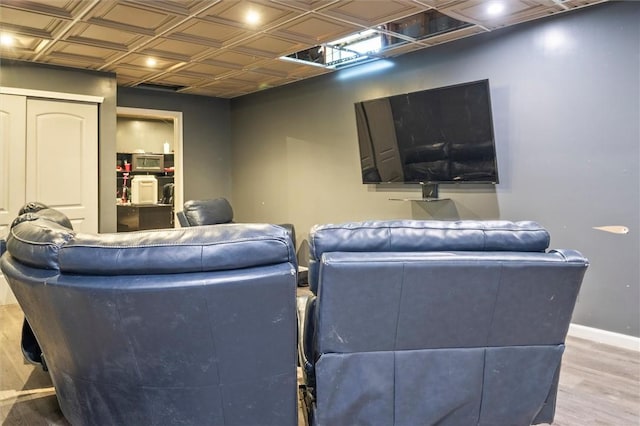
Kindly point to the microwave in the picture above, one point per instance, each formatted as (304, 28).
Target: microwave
(147, 163)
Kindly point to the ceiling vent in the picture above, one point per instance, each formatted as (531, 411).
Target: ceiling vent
(368, 45)
(160, 87)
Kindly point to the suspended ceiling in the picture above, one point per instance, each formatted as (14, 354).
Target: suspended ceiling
(207, 48)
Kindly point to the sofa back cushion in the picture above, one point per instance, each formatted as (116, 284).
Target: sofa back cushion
(198, 249)
(39, 241)
(423, 236)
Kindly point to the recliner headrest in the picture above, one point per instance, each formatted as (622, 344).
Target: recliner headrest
(208, 212)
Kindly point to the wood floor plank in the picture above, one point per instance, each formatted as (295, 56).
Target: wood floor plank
(599, 384)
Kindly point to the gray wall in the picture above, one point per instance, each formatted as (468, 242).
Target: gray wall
(57, 79)
(147, 134)
(206, 137)
(567, 132)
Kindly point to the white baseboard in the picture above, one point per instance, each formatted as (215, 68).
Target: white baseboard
(603, 336)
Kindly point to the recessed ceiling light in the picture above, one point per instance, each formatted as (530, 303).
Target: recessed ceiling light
(495, 9)
(151, 62)
(6, 40)
(252, 17)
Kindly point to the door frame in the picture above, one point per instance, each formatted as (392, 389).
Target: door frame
(176, 118)
(47, 94)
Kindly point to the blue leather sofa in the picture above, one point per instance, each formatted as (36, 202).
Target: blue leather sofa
(436, 323)
(187, 326)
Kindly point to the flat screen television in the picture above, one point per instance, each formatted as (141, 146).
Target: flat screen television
(441, 135)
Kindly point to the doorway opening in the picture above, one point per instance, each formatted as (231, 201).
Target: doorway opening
(166, 139)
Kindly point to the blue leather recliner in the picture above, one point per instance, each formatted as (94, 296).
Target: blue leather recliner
(436, 323)
(217, 211)
(183, 326)
(213, 211)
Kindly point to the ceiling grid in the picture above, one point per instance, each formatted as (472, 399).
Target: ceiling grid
(206, 47)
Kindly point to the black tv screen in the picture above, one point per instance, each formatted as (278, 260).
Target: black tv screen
(441, 135)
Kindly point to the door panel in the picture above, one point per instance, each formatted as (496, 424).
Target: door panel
(48, 153)
(12, 170)
(62, 159)
(12, 159)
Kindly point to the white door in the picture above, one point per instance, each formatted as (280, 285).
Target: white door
(12, 159)
(12, 170)
(62, 159)
(48, 153)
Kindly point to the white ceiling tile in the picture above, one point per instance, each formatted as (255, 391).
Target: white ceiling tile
(209, 48)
